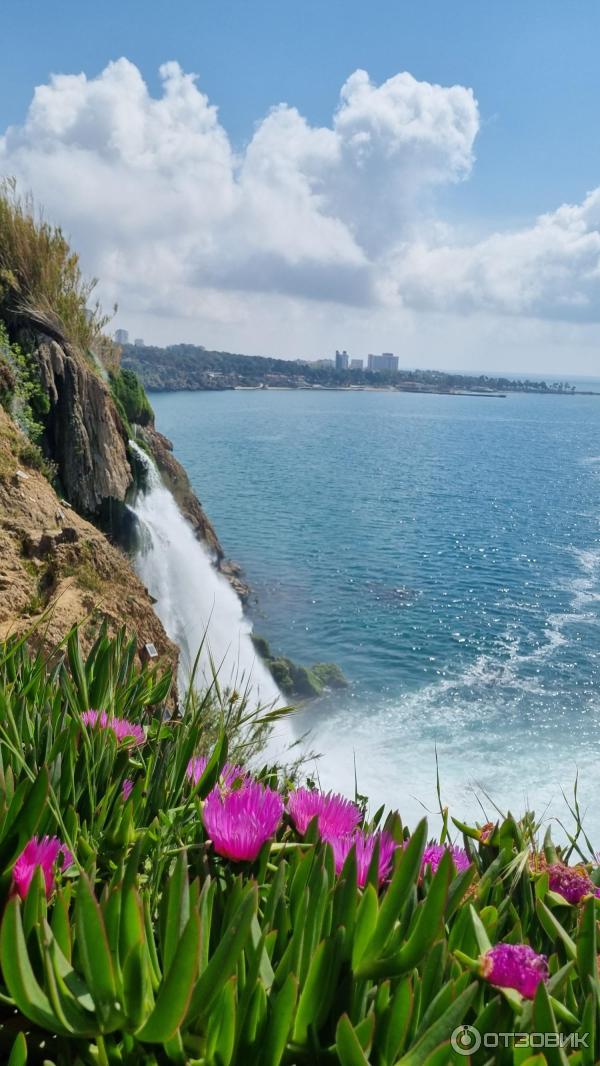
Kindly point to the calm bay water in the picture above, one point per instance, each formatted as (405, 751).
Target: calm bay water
(445, 551)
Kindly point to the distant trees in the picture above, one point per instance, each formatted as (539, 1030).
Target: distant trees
(189, 366)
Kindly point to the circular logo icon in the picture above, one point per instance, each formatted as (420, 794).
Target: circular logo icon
(465, 1040)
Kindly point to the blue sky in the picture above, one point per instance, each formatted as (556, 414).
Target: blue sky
(533, 68)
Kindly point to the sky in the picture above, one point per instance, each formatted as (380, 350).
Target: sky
(291, 178)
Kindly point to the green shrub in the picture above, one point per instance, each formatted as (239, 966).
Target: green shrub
(130, 397)
(23, 394)
(40, 278)
(329, 675)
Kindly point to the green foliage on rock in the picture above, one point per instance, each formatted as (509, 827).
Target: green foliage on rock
(41, 283)
(295, 681)
(130, 397)
(23, 395)
(329, 675)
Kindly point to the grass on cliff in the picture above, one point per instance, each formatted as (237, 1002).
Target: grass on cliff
(147, 944)
(41, 283)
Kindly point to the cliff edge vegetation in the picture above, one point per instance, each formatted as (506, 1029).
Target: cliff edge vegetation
(67, 412)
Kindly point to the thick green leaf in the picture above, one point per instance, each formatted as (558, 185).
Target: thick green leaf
(587, 946)
(545, 1022)
(18, 973)
(554, 929)
(176, 911)
(175, 992)
(94, 953)
(221, 1026)
(225, 959)
(18, 1055)
(397, 892)
(320, 987)
(347, 1044)
(425, 932)
(397, 1020)
(441, 1029)
(365, 925)
(280, 1022)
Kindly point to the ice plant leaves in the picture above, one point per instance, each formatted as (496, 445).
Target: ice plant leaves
(347, 1044)
(95, 955)
(298, 950)
(175, 993)
(225, 958)
(424, 931)
(397, 893)
(18, 973)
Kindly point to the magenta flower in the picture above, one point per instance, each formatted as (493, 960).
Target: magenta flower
(515, 966)
(227, 778)
(571, 882)
(42, 853)
(127, 789)
(434, 853)
(239, 823)
(337, 816)
(365, 844)
(121, 727)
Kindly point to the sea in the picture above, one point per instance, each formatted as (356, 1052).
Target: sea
(444, 551)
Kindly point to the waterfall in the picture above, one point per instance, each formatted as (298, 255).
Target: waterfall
(193, 601)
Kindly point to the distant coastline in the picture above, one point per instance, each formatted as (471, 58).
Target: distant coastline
(191, 368)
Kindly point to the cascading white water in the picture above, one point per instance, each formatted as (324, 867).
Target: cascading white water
(195, 603)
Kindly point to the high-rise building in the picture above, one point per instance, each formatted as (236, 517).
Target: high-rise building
(389, 361)
(139, 342)
(385, 361)
(122, 336)
(341, 360)
(356, 364)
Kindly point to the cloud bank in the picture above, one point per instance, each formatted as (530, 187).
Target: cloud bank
(178, 224)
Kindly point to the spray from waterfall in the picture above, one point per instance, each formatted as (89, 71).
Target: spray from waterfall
(195, 603)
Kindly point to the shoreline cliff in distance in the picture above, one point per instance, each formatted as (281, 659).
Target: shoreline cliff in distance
(189, 367)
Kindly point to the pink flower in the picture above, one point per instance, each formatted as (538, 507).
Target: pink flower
(434, 853)
(571, 882)
(337, 816)
(42, 853)
(365, 844)
(239, 823)
(515, 966)
(227, 778)
(121, 727)
(127, 789)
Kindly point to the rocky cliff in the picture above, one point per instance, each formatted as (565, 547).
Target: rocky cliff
(57, 562)
(84, 433)
(56, 568)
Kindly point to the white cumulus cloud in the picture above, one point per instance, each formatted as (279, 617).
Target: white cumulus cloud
(550, 269)
(164, 209)
(180, 226)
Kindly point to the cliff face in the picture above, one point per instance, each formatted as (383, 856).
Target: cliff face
(57, 568)
(55, 565)
(85, 435)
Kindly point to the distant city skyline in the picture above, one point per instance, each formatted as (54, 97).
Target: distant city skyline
(425, 180)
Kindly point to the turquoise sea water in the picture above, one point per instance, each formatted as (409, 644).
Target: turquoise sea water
(445, 551)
